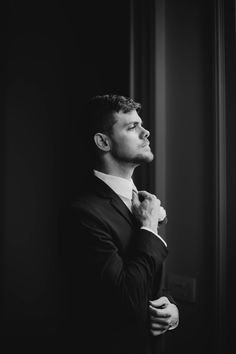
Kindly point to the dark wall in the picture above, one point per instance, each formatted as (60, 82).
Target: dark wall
(54, 57)
(231, 167)
(190, 168)
(191, 171)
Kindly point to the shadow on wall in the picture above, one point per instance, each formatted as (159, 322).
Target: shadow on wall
(56, 57)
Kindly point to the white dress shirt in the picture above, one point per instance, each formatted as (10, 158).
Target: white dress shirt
(124, 188)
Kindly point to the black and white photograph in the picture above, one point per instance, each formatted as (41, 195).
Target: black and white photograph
(118, 176)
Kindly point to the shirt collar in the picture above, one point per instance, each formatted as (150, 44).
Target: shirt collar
(121, 186)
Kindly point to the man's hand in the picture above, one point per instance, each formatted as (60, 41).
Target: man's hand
(163, 316)
(148, 211)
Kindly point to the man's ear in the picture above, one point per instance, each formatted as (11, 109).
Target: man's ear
(102, 141)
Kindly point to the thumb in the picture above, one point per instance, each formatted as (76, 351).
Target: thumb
(160, 302)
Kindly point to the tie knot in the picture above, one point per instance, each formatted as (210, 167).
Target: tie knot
(135, 197)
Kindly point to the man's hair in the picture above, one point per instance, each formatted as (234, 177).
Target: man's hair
(100, 111)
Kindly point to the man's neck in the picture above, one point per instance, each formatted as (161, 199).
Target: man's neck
(119, 171)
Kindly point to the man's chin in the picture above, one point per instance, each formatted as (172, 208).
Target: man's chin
(142, 158)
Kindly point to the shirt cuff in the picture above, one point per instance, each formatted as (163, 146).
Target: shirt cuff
(146, 228)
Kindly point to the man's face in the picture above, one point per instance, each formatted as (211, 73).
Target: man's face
(129, 140)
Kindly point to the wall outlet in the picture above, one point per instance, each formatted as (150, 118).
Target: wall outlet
(182, 287)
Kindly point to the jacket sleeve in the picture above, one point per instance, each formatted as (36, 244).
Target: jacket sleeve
(127, 281)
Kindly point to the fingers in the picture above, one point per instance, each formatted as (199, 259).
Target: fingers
(144, 193)
(160, 320)
(147, 210)
(157, 332)
(147, 195)
(157, 329)
(161, 324)
(150, 199)
(158, 313)
(164, 315)
(158, 326)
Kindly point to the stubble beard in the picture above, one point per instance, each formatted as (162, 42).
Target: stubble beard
(133, 159)
(141, 158)
(137, 159)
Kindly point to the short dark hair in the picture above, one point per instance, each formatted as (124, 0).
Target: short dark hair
(100, 111)
(99, 117)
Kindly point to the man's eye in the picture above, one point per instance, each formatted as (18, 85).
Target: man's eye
(132, 126)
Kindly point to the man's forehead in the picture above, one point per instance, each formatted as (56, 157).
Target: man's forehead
(122, 118)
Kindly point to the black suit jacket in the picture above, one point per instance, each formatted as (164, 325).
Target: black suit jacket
(113, 269)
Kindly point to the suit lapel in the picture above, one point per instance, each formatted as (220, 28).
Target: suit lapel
(120, 206)
(106, 192)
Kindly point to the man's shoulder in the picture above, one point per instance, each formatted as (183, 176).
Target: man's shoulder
(89, 207)
(91, 194)
(86, 199)
(92, 189)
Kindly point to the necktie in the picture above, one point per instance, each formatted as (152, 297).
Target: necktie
(135, 198)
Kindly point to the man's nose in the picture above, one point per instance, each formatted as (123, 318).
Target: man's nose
(145, 133)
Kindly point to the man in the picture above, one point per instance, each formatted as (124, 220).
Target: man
(116, 301)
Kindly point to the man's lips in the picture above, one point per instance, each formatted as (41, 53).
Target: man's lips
(147, 143)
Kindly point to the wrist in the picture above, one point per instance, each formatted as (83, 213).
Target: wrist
(150, 225)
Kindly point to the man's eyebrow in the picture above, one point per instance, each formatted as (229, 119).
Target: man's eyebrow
(134, 122)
